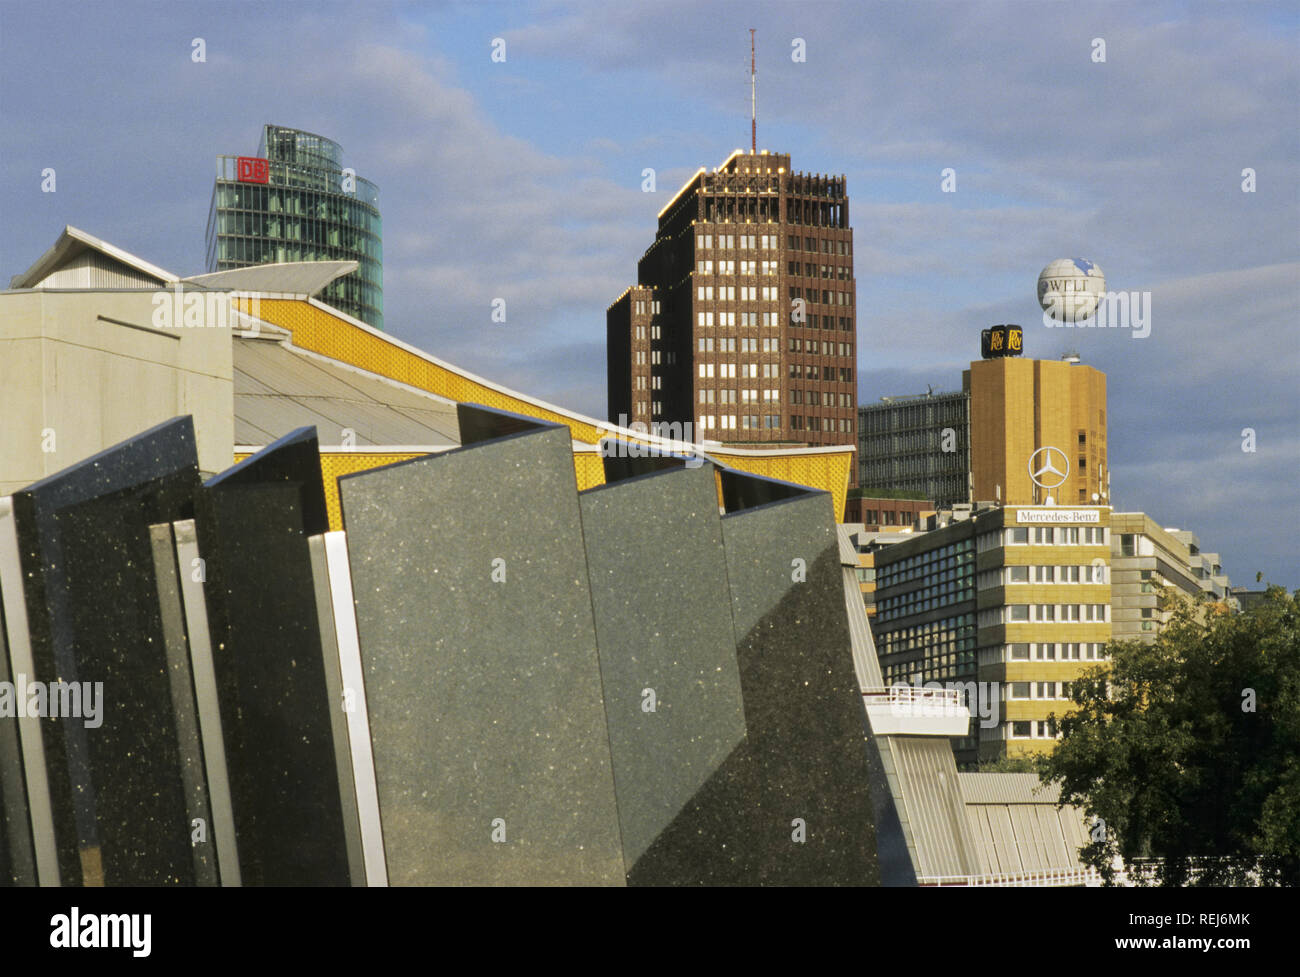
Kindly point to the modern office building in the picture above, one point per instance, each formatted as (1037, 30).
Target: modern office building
(294, 201)
(918, 444)
(1146, 558)
(1055, 408)
(1009, 603)
(1020, 600)
(743, 322)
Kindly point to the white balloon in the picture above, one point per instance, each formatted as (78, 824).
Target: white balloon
(1070, 288)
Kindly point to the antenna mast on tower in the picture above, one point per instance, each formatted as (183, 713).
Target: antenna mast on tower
(753, 98)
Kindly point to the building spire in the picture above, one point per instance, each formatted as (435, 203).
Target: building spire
(753, 97)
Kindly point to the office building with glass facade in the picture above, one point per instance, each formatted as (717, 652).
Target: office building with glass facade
(295, 201)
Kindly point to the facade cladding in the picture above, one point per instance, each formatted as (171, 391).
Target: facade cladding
(294, 201)
(742, 323)
(917, 444)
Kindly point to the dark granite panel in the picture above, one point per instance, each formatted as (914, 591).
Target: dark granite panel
(286, 795)
(344, 702)
(623, 460)
(482, 679)
(663, 625)
(117, 799)
(802, 771)
(184, 709)
(479, 423)
(743, 491)
(293, 459)
(17, 859)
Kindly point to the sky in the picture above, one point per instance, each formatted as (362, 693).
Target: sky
(521, 178)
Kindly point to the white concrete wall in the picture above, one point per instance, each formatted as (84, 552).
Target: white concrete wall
(74, 383)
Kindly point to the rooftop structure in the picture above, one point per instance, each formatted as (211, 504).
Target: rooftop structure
(295, 201)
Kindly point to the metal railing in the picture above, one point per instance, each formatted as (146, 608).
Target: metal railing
(910, 695)
(1043, 877)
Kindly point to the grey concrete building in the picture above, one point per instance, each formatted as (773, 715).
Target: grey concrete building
(917, 444)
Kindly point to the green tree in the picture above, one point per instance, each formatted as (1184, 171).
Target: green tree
(1184, 753)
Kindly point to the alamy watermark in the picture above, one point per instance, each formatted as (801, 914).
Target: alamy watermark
(981, 698)
(22, 699)
(1115, 310)
(177, 308)
(681, 435)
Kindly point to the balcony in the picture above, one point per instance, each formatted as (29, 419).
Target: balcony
(902, 710)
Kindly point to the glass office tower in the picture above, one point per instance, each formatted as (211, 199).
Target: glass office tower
(294, 201)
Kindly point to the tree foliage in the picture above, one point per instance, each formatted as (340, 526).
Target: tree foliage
(1185, 753)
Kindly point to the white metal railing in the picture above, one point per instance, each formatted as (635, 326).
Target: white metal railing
(909, 695)
(1044, 877)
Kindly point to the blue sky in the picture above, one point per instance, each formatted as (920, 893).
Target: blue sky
(522, 180)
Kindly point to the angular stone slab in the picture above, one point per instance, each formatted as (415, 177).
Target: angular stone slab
(663, 625)
(802, 770)
(17, 858)
(116, 791)
(287, 797)
(482, 680)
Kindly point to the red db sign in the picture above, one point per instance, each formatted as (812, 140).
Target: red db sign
(252, 169)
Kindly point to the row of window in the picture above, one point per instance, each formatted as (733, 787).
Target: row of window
(1036, 690)
(1043, 651)
(748, 422)
(1034, 729)
(1096, 573)
(829, 424)
(959, 554)
(641, 306)
(891, 517)
(825, 296)
(657, 357)
(888, 472)
(823, 348)
(261, 199)
(744, 241)
(821, 398)
(843, 273)
(727, 266)
(795, 243)
(931, 440)
(1043, 536)
(1043, 613)
(813, 320)
(746, 396)
(705, 320)
(938, 411)
(707, 371)
(748, 344)
(957, 631)
(727, 293)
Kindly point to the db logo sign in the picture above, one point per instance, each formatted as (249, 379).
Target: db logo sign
(252, 169)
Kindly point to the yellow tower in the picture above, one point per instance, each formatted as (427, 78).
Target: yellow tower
(1018, 407)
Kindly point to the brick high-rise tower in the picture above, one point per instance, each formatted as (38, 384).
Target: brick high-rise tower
(742, 322)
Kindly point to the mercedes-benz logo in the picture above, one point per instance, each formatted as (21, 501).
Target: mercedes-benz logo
(1047, 469)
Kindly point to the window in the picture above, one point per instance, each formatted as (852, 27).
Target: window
(1018, 612)
(1019, 534)
(1019, 652)
(1020, 729)
(1017, 574)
